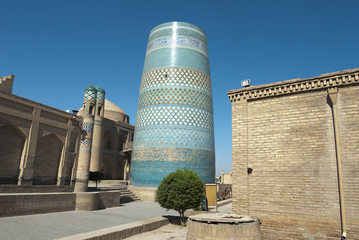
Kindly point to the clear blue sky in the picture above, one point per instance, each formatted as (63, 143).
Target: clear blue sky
(56, 48)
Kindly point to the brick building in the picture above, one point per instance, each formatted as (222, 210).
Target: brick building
(39, 145)
(295, 147)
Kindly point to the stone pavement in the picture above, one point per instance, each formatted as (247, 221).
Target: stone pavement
(62, 224)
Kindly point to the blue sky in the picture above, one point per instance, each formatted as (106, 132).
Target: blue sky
(57, 48)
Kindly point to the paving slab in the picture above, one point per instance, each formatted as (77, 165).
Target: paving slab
(62, 224)
(168, 232)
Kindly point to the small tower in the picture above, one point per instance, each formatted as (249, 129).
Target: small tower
(96, 158)
(6, 83)
(83, 166)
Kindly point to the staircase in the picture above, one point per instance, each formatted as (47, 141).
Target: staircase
(127, 196)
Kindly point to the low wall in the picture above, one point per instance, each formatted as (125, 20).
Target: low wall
(34, 203)
(35, 189)
(144, 193)
(14, 204)
(88, 201)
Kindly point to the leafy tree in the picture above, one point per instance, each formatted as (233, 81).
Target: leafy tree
(96, 176)
(180, 190)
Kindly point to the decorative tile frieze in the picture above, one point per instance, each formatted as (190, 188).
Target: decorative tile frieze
(87, 127)
(100, 95)
(173, 137)
(174, 115)
(179, 41)
(174, 95)
(323, 81)
(89, 94)
(176, 77)
(85, 145)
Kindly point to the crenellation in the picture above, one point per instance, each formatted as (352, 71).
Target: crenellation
(295, 85)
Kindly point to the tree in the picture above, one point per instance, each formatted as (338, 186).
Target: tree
(96, 176)
(180, 190)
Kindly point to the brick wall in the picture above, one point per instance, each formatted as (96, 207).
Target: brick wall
(288, 142)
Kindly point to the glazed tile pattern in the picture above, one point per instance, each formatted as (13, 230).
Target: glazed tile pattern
(85, 145)
(168, 160)
(177, 42)
(177, 96)
(173, 115)
(171, 136)
(174, 123)
(90, 94)
(172, 77)
(100, 95)
(87, 127)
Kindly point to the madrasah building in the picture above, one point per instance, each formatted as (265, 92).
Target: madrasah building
(40, 145)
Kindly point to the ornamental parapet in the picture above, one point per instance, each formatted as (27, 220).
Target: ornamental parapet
(324, 81)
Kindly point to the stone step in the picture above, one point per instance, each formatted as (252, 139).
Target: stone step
(127, 196)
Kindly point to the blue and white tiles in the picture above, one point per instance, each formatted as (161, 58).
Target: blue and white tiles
(174, 123)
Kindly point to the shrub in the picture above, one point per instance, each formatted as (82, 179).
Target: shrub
(96, 176)
(181, 190)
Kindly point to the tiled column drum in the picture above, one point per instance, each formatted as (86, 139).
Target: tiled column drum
(174, 123)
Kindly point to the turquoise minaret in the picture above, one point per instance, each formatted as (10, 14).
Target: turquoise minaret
(174, 123)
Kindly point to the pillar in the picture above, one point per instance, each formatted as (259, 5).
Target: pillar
(83, 165)
(96, 154)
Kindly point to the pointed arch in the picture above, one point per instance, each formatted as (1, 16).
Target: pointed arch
(47, 159)
(12, 142)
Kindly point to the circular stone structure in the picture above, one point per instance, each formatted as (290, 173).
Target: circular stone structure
(223, 226)
(174, 122)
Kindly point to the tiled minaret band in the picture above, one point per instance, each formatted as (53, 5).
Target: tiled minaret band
(96, 155)
(174, 123)
(83, 165)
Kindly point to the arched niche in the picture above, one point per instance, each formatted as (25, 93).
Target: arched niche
(12, 142)
(47, 160)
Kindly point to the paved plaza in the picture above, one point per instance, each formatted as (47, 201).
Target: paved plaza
(62, 224)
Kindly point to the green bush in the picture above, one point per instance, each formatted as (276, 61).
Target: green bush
(96, 176)
(181, 190)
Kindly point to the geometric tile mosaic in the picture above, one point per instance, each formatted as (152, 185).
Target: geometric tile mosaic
(85, 145)
(180, 41)
(174, 122)
(175, 76)
(174, 137)
(100, 95)
(90, 94)
(174, 115)
(175, 95)
(87, 127)
(148, 172)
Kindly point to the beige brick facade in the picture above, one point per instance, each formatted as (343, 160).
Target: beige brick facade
(37, 144)
(285, 168)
